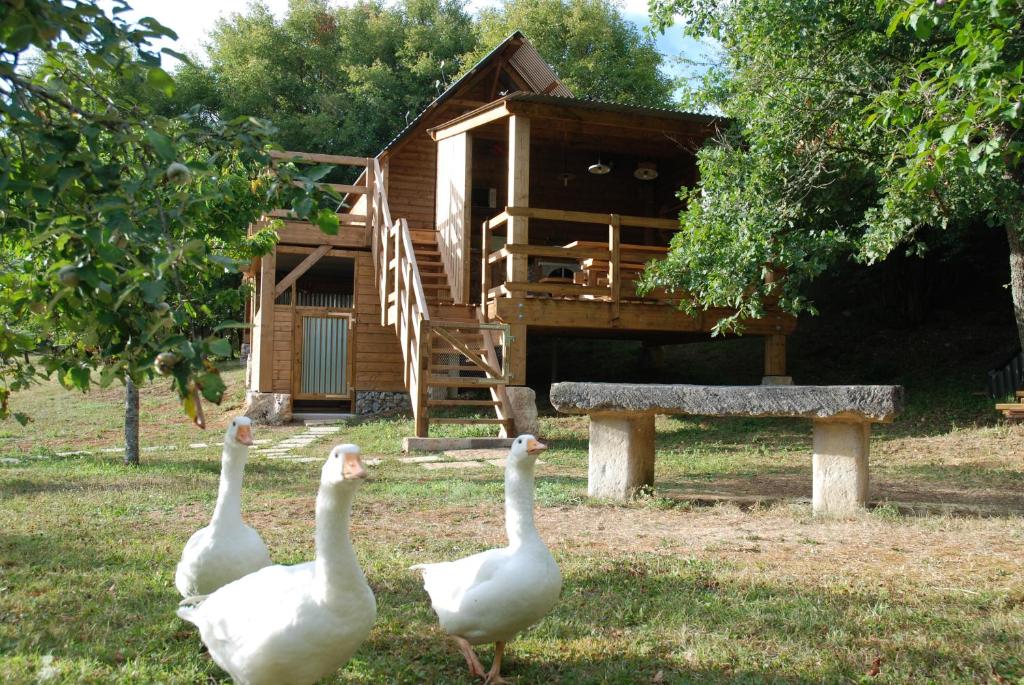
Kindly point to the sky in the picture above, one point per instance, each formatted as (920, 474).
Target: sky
(192, 19)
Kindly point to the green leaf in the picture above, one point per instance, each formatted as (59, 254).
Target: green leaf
(160, 80)
(161, 144)
(220, 347)
(327, 221)
(212, 386)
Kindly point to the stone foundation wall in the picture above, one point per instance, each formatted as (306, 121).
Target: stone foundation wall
(268, 408)
(378, 402)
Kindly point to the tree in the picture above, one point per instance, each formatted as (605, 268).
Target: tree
(592, 47)
(855, 130)
(114, 220)
(333, 79)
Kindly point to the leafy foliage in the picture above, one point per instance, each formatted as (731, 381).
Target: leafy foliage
(854, 129)
(118, 225)
(333, 79)
(592, 47)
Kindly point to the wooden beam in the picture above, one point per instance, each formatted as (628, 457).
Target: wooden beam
(591, 217)
(593, 315)
(775, 355)
(518, 194)
(268, 266)
(468, 122)
(614, 272)
(316, 158)
(302, 268)
(670, 122)
(337, 187)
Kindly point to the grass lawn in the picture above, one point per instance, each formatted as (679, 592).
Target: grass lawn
(670, 589)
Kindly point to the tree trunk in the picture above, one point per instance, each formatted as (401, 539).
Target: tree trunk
(131, 423)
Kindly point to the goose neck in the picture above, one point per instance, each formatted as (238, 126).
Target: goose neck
(519, 487)
(336, 567)
(228, 509)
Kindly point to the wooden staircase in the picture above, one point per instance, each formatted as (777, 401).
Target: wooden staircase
(452, 365)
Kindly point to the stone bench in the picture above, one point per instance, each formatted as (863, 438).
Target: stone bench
(622, 429)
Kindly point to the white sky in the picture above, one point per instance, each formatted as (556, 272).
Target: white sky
(192, 19)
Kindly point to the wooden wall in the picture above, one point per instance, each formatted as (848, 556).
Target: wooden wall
(378, 358)
(283, 357)
(452, 216)
(410, 177)
(377, 363)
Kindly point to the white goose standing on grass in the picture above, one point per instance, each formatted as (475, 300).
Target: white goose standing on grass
(227, 549)
(493, 595)
(293, 625)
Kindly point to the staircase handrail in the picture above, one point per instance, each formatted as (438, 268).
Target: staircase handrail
(400, 275)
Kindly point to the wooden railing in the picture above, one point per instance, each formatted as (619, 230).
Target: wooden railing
(403, 303)
(609, 288)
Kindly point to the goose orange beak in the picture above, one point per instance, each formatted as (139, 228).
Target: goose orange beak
(352, 467)
(533, 447)
(244, 435)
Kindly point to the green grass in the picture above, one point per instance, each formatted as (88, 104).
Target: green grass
(758, 593)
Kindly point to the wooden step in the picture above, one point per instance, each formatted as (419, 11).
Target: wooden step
(463, 382)
(470, 421)
(456, 367)
(1016, 407)
(463, 403)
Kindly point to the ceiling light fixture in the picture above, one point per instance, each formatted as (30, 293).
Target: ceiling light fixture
(599, 168)
(646, 171)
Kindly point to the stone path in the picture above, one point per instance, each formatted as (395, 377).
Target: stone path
(283, 449)
(449, 460)
(460, 459)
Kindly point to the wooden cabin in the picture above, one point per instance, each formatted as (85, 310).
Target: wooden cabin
(506, 209)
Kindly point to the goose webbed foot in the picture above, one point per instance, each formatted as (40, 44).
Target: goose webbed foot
(493, 676)
(476, 669)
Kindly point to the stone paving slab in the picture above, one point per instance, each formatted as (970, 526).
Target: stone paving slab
(476, 454)
(500, 463)
(419, 460)
(452, 465)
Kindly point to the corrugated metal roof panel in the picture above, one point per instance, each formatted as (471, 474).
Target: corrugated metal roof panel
(537, 73)
(591, 103)
(527, 54)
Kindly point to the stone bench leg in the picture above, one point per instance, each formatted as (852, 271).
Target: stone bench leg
(621, 455)
(840, 467)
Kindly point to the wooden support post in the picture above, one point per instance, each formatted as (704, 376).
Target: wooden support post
(614, 271)
(518, 195)
(265, 380)
(775, 355)
(485, 271)
(518, 227)
(515, 360)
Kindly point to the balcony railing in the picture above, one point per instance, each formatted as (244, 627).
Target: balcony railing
(608, 270)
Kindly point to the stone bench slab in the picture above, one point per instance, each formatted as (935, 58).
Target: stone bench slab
(622, 434)
(872, 403)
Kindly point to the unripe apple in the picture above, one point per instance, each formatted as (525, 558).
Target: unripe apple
(178, 174)
(164, 362)
(68, 275)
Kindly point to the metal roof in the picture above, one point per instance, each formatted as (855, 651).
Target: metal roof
(606, 106)
(526, 61)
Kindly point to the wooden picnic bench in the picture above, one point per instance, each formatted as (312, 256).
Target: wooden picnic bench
(622, 429)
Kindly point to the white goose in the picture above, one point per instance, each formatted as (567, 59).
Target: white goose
(292, 625)
(227, 549)
(493, 595)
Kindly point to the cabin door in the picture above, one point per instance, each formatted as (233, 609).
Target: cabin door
(323, 344)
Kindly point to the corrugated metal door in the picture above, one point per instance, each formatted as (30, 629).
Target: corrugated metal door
(324, 360)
